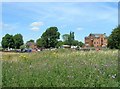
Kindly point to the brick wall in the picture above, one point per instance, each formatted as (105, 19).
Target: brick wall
(96, 40)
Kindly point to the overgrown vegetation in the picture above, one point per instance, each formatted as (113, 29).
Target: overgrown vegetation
(61, 68)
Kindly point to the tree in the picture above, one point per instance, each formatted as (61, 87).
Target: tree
(81, 44)
(114, 39)
(22, 47)
(75, 43)
(50, 37)
(68, 38)
(18, 40)
(39, 42)
(71, 38)
(31, 41)
(7, 41)
(59, 44)
(65, 37)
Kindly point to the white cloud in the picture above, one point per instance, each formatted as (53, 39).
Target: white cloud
(35, 28)
(36, 24)
(79, 29)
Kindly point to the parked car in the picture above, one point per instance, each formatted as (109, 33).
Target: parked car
(18, 50)
(27, 50)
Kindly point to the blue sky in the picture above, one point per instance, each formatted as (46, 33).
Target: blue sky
(32, 19)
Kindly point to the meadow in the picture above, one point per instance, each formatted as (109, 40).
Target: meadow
(60, 68)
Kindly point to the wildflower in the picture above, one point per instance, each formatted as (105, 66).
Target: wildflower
(113, 76)
(30, 66)
(106, 65)
(69, 76)
(23, 57)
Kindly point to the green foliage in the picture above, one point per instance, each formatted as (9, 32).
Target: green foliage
(71, 38)
(10, 41)
(65, 37)
(68, 38)
(50, 37)
(61, 68)
(81, 44)
(75, 43)
(18, 40)
(39, 42)
(114, 39)
(7, 41)
(59, 44)
(22, 47)
(30, 41)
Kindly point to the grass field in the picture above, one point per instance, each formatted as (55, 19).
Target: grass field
(61, 68)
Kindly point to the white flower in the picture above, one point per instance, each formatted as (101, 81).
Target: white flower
(113, 76)
(30, 66)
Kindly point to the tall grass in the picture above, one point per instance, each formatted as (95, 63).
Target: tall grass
(61, 68)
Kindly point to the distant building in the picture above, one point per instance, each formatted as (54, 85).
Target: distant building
(65, 46)
(32, 45)
(96, 40)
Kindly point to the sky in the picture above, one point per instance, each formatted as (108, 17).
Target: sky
(60, 0)
(31, 19)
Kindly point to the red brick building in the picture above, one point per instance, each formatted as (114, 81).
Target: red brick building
(96, 40)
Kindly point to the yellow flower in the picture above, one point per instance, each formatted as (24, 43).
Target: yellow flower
(23, 57)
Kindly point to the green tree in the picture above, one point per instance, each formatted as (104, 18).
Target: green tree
(50, 37)
(22, 47)
(29, 43)
(31, 40)
(80, 44)
(68, 38)
(59, 44)
(75, 43)
(65, 37)
(114, 39)
(39, 42)
(71, 38)
(18, 40)
(7, 41)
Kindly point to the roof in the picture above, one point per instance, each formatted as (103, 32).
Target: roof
(98, 35)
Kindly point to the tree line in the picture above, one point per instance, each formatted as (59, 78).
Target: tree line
(10, 41)
(50, 38)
